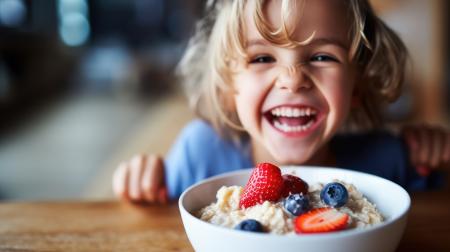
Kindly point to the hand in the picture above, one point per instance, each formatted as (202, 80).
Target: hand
(429, 147)
(141, 180)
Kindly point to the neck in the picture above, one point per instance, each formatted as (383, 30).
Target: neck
(322, 157)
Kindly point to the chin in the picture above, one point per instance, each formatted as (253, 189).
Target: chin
(288, 153)
(293, 159)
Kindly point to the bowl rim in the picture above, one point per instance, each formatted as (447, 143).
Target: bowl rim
(344, 233)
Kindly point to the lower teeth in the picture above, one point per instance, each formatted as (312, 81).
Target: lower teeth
(287, 128)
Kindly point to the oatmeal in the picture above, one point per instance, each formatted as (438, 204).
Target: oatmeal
(226, 212)
(286, 215)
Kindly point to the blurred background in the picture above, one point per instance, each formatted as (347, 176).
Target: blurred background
(85, 84)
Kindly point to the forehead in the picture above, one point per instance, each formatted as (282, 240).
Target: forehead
(326, 18)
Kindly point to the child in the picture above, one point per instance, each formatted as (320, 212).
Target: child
(275, 81)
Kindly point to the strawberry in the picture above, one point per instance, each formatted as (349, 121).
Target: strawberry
(265, 183)
(321, 220)
(293, 185)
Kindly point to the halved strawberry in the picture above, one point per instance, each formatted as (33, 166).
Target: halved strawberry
(265, 183)
(321, 220)
(292, 185)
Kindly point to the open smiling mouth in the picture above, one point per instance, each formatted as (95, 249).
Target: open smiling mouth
(292, 119)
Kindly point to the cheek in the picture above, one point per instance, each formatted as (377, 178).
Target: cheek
(346, 93)
(338, 92)
(244, 99)
(339, 98)
(250, 93)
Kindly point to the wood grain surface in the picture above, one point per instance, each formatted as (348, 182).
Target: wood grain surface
(116, 226)
(90, 226)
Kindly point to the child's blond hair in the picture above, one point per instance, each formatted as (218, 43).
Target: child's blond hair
(206, 69)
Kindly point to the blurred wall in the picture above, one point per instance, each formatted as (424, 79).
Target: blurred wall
(423, 26)
(50, 48)
(78, 80)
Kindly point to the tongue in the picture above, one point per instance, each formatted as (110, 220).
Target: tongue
(294, 121)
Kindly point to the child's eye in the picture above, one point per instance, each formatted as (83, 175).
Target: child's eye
(323, 58)
(262, 59)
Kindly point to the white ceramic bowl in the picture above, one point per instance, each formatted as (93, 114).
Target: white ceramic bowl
(391, 200)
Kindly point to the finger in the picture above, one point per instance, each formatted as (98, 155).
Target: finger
(412, 140)
(157, 174)
(425, 146)
(163, 196)
(137, 166)
(147, 181)
(438, 142)
(153, 178)
(446, 149)
(120, 181)
(423, 170)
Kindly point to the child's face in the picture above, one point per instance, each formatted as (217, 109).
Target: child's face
(293, 100)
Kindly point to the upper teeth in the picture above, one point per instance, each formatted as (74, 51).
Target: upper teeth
(293, 112)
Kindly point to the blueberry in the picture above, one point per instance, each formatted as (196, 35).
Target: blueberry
(250, 225)
(334, 194)
(296, 204)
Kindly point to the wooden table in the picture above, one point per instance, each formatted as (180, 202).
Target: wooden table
(115, 226)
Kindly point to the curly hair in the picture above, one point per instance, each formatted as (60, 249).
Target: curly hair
(206, 68)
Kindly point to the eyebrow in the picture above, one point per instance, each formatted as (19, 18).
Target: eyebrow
(314, 41)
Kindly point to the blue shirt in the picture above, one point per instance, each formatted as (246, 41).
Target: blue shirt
(199, 152)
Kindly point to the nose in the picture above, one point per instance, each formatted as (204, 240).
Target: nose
(292, 78)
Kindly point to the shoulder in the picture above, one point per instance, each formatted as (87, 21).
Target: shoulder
(200, 152)
(383, 154)
(194, 144)
(377, 142)
(196, 126)
(199, 140)
(379, 152)
(199, 130)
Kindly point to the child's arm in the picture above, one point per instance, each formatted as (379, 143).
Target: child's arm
(429, 147)
(141, 179)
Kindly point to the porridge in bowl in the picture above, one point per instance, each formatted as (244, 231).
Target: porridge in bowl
(390, 199)
(285, 204)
